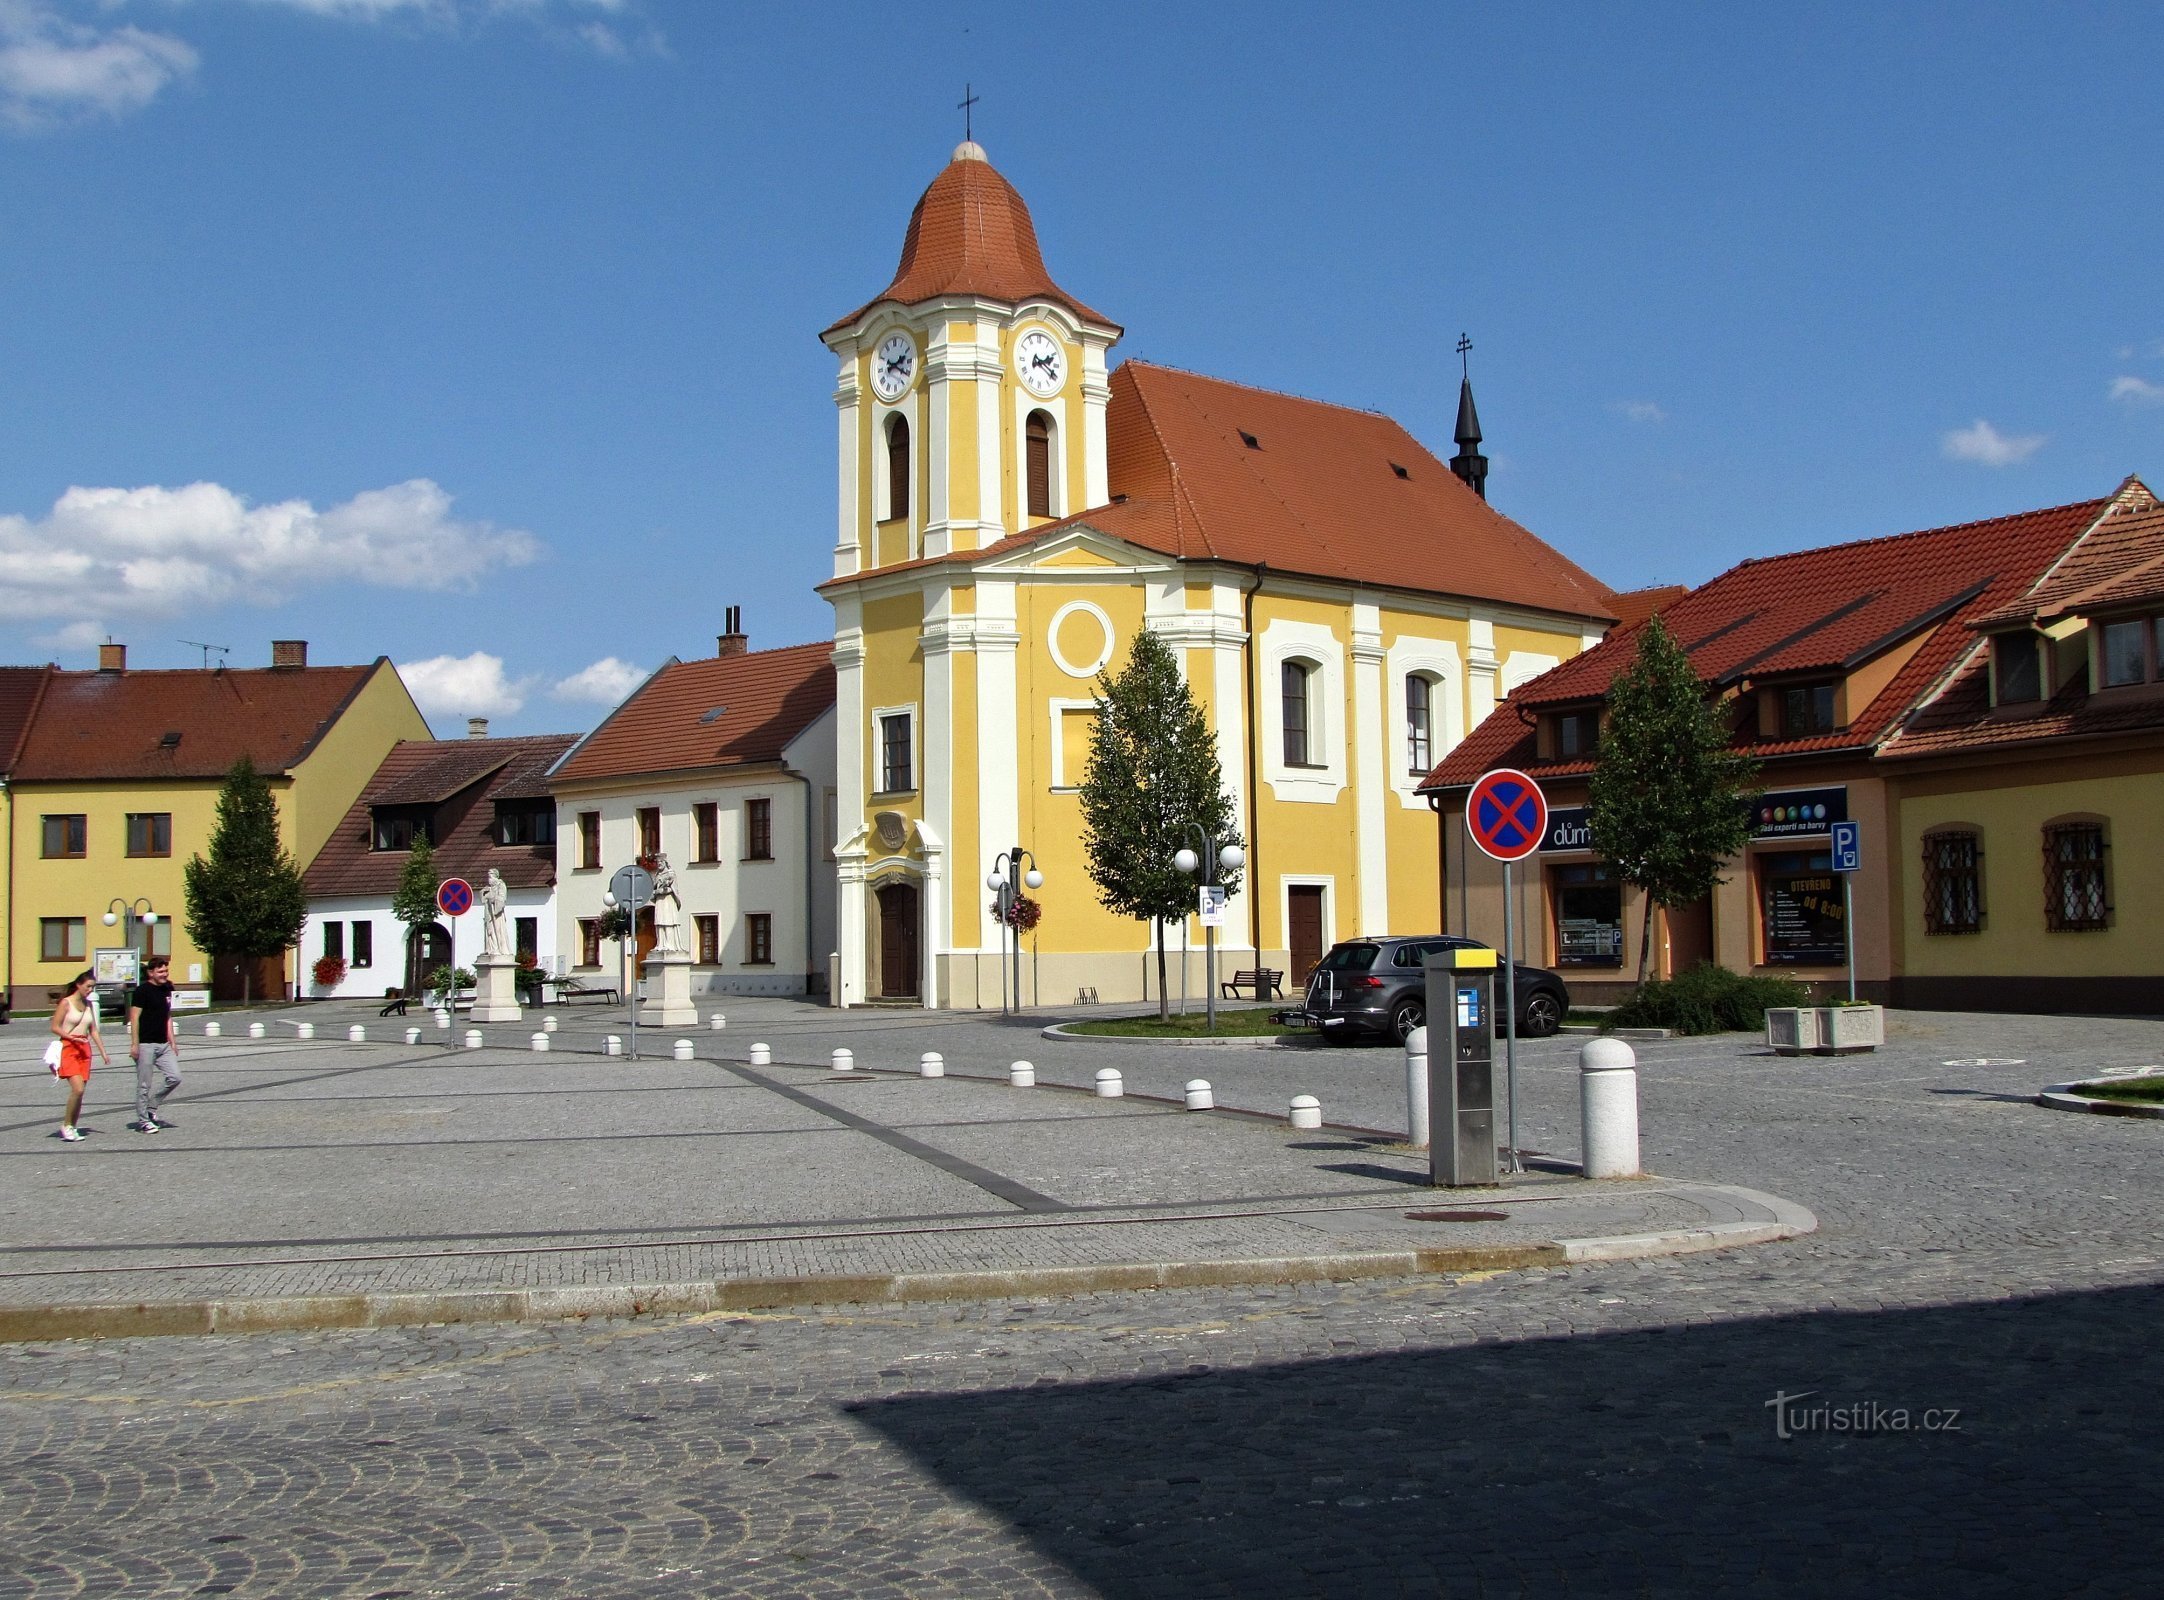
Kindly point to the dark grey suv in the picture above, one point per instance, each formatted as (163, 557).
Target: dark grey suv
(1368, 988)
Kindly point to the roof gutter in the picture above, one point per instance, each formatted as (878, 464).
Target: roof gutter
(811, 859)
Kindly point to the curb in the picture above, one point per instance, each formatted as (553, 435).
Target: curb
(1058, 1031)
(2066, 1097)
(317, 1313)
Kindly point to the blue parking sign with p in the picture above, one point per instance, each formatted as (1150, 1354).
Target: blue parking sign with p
(1847, 846)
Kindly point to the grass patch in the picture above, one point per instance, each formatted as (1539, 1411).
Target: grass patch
(2149, 1089)
(1706, 999)
(1587, 1019)
(1247, 1023)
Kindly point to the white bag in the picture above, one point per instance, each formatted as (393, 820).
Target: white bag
(52, 1055)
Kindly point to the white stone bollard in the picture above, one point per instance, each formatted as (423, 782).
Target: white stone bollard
(843, 1060)
(443, 1019)
(304, 1030)
(717, 1022)
(1608, 1107)
(540, 1041)
(1022, 1075)
(256, 1030)
(762, 1055)
(681, 1050)
(357, 1033)
(1416, 1087)
(1109, 1084)
(211, 1030)
(1306, 1111)
(413, 1036)
(473, 1038)
(612, 1046)
(1199, 1095)
(548, 1024)
(931, 1065)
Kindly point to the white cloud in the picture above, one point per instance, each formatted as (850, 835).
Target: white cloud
(158, 552)
(573, 21)
(604, 683)
(1987, 447)
(465, 686)
(1639, 411)
(54, 69)
(2137, 391)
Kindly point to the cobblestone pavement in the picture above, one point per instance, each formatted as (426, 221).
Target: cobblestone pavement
(1594, 1430)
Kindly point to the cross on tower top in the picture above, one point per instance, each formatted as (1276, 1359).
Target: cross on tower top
(1464, 366)
(967, 105)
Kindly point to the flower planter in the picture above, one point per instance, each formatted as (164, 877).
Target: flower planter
(1792, 1030)
(1849, 1030)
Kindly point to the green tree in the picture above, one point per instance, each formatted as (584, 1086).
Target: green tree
(413, 902)
(247, 900)
(1668, 798)
(1152, 770)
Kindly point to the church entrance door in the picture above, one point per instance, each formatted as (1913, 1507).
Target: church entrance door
(898, 942)
(1303, 915)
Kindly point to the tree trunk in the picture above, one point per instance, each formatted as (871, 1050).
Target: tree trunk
(247, 981)
(1645, 942)
(1164, 1011)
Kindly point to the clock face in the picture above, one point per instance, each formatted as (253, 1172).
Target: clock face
(894, 363)
(1041, 362)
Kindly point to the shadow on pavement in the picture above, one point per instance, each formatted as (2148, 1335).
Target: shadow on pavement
(1642, 1463)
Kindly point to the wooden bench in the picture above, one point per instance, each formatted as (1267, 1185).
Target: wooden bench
(1255, 982)
(570, 989)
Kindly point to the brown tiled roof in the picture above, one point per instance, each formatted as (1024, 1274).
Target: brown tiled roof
(20, 690)
(765, 698)
(1324, 491)
(2124, 539)
(1633, 606)
(110, 725)
(972, 234)
(1829, 609)
(424, 771)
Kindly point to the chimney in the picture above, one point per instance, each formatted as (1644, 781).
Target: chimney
(112, 657)
(289, 653)
(734, 641)
(477, 727)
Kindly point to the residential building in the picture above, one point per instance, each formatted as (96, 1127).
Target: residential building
(1861, 677)
(115, 785)
(1011, 513)
(481, 803)
(20, 690)
(726, 766)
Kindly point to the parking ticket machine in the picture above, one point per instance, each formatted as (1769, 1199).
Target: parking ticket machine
(1461, 1076)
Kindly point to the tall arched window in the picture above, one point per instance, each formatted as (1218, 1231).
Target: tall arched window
(897, 466)
(1419, 723)
(1037, 463)
(1293, 679)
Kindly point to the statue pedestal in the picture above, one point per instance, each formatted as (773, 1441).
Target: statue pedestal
(495, 990)
(668, 991)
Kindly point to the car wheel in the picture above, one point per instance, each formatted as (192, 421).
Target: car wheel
(1405, 1016)
(1542, 1016)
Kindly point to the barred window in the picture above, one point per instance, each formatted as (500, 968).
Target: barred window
(709, 940)
(1953, 882)
(2076, 899)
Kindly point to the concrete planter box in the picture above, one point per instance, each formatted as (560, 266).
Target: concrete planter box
(1792, 1030)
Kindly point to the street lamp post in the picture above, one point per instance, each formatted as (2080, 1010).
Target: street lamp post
(1209, 863)
(127, 914)
(1007, 880)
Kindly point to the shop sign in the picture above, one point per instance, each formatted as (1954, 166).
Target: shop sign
(1799, 813)
(1805, 918)
(1570, 828)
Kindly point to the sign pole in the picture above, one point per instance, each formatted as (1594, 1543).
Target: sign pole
(1848, 934)
(1510, 1010)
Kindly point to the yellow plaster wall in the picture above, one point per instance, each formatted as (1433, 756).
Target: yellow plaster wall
(1300, 838)
(331, 778)
(893, 676)
(965, 834)
(2011, 814)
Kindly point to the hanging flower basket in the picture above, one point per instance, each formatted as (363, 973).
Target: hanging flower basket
(1023, 915)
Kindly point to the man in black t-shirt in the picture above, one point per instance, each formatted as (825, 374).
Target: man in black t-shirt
(150, 1041)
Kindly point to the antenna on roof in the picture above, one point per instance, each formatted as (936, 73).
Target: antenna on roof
(966, 105)
(197, 644)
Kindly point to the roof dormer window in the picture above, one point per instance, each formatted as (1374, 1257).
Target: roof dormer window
(2017, 667)
(2130, 652)
(1807, 710)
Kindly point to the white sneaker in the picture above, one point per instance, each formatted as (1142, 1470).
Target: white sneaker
(68, 1130)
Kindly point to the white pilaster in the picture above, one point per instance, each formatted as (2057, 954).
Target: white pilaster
(847, 553)
(991, 487)
(938, 424)
(1370, 786)
(1481, 667)
(851, 792)
(998, 753)
(1096, 396)
(936, 739)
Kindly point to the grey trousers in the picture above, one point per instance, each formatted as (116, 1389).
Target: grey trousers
(150, 1059)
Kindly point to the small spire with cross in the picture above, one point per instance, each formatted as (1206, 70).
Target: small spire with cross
(1465, 370)
(967, 105)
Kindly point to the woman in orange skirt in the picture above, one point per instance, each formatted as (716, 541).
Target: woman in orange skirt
(75, 1024)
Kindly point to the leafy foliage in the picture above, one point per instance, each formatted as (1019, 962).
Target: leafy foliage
(1667, 799)
(1706, 999)
(1152, 771)
(413, 902)
(447, 980)
(247, 899)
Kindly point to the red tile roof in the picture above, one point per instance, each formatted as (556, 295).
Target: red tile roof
(765, 698)
(1323, 491)
(442, 772)
(20, 690)
(2123, 540)
(971, 234)
(1817, 611)
(1633, 606)
(111, 725)
(1961, 718)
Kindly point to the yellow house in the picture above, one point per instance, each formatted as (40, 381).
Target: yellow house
(116, 786)
(1012, 513)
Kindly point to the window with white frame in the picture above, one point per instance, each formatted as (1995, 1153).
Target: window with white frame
(1296, 699)
(897, 752)
(1419, 723)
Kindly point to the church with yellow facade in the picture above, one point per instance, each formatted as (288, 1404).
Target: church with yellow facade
(1014, 509)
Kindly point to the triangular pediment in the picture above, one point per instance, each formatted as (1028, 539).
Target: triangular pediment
(1077, 550)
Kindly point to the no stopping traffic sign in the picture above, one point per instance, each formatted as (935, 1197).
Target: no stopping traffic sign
(1507, 814)
(454, 897)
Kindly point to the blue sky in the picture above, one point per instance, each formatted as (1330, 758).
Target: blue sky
(483, 333)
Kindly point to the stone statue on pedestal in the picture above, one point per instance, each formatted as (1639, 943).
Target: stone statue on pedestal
(668, 910)
(495, 916)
